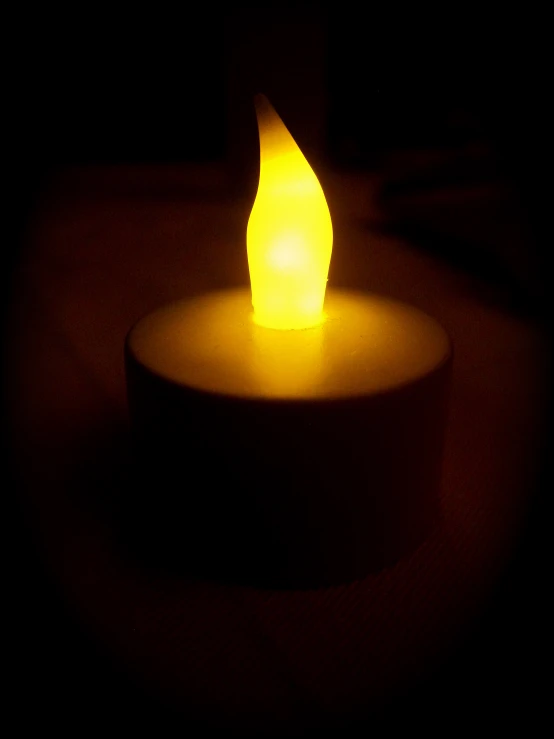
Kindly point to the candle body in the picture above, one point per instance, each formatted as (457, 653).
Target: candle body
(299, 458)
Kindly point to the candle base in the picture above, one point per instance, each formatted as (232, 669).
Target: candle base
(305, 490)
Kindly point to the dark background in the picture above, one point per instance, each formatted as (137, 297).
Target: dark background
(90, 86)
(96, 88)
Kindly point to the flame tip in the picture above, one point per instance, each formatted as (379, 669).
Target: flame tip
(264, 109)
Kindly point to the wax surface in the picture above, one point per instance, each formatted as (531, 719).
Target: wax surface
(367, 344)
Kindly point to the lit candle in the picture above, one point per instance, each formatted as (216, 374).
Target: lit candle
(292, 438)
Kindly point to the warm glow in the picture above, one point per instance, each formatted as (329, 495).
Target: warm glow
(290, 235)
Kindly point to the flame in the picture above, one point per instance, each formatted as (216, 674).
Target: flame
(289, 236)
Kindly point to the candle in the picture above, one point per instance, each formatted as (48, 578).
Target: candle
(287, 437)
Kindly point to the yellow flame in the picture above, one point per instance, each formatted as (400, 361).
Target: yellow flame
(290, 235)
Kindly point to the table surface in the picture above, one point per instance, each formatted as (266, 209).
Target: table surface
(109, 244)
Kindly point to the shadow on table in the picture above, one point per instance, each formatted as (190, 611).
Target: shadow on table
(104, 483)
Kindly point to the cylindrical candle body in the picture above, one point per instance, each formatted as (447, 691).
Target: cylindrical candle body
(286, 459)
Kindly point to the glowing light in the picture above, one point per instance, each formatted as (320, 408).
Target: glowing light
(290, 235)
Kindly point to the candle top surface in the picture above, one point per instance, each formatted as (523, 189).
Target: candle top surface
(368, 344)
